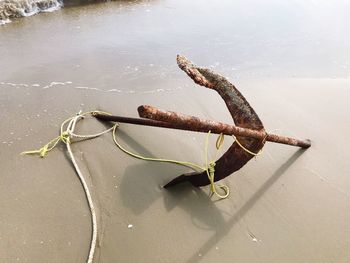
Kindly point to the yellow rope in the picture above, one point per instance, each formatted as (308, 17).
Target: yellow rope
(187, 164)
(245, 149)
(64, 137)
(209, 166)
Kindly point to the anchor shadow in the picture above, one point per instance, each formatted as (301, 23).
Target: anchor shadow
(145, 181)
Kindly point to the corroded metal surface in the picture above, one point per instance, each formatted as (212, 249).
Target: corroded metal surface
(243, 116)
(152, 116)
(191, 123)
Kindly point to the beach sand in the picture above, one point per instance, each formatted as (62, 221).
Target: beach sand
(287, 205)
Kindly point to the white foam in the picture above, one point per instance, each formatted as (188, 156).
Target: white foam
(55, 83)
(24, 8)
(5, 21)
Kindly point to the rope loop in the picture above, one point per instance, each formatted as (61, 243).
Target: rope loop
(247, 150)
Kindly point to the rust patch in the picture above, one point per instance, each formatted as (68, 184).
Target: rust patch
(243, 116)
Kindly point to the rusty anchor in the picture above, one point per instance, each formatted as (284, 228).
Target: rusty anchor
(248, 129)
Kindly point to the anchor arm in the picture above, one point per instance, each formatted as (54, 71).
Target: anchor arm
(243, 116)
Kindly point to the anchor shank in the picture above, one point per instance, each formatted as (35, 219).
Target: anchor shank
(172, 120)
(187, 122)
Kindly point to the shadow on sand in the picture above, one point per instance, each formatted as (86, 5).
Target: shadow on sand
(146, 180)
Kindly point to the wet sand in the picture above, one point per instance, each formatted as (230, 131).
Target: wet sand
(288, 205)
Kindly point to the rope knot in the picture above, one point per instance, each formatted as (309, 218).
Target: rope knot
(43, 151)
(65, 137)
(211, 169)
(211, 176)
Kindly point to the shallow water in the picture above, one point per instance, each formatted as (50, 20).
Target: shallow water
(291, 61)
(240, 39)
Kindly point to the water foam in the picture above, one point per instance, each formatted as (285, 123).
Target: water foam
(21, 8)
